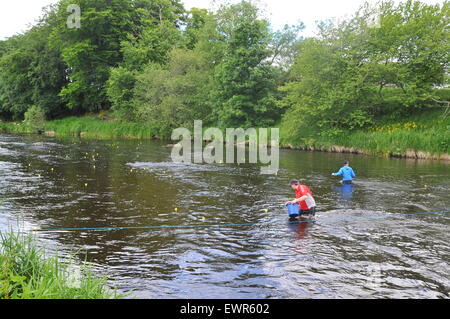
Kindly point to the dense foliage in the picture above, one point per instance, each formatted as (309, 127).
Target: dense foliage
(357, 71)
(155, 63)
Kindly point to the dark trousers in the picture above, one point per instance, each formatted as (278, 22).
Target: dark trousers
(311, 211)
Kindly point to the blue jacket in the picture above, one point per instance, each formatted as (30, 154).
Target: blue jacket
(347, 173)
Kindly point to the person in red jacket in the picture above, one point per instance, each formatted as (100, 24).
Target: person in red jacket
(303, 196)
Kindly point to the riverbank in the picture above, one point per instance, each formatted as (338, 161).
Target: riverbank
(424, 136)
(90, 126)
(26, 272)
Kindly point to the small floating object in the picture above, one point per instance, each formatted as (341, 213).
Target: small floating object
(52, 169)
(29, 165)
(203, 218)
(95, 167)
(85, 184)
(426, 186)
(176, 209)
(265, 210)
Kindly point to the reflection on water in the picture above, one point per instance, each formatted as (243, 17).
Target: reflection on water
(59, 183)
(345, 191)
(300, 228)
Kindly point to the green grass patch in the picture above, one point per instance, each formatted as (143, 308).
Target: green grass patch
(86, 126)
(27, 272)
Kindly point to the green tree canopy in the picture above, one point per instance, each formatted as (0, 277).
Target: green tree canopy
(174, 95)
(245, 79)
(90, 51)
(356, 70)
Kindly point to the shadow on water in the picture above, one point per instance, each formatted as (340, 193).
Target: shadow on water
(60, 183)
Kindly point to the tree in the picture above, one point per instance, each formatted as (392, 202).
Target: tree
(92, 50)
(35, 119)
(15, 90)
(47, 72)
(32, 73)
(151, 44)
(355, 72)
(410, 49)
(195, 21)
(245, 80)
(284, 45)
(120, 90)
(176, 94)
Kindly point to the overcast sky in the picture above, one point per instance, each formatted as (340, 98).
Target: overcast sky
(16, 15)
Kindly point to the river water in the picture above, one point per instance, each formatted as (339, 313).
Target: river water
(359, 246)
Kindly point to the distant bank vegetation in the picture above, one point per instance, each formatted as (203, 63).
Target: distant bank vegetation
(155, 66)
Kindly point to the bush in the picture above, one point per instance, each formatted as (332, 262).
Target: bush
(35, 119)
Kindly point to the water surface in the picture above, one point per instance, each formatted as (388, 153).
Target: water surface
(347, 253)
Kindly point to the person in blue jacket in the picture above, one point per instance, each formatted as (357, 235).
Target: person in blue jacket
(347, 173)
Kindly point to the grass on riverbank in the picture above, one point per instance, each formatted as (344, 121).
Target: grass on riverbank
(94, 127)
(88, 126)
(428, 132)
(26, 272)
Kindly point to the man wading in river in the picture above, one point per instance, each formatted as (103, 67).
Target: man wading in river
(304, 197)
(347, 172)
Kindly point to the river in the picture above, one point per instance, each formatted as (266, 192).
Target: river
(359, 246)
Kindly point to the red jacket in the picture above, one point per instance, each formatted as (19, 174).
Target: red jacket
(309, 202)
